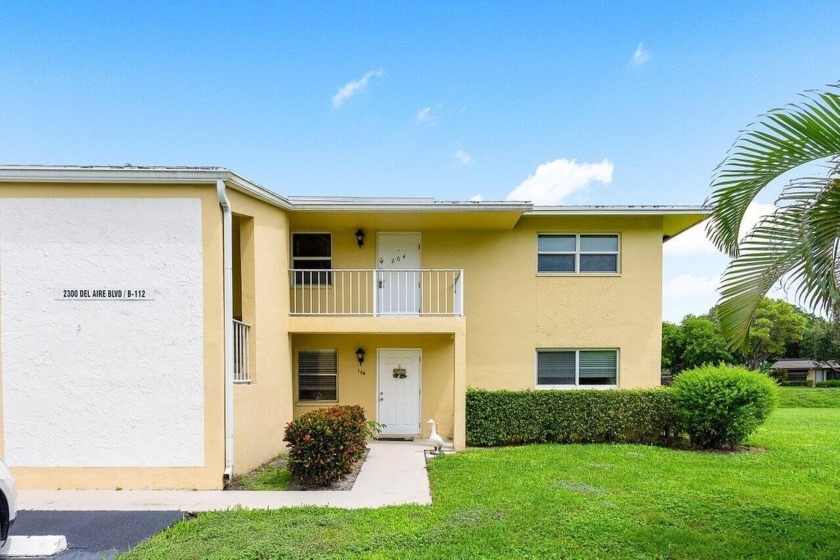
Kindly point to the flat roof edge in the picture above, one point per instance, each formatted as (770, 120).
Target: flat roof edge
(619, 210)
(412, 207)
(104, 174)
(138, 175)
(210, 174)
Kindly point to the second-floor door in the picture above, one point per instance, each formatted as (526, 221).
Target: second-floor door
(398, 273)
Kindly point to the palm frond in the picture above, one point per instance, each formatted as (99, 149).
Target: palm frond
(781, 140)
(799, 242)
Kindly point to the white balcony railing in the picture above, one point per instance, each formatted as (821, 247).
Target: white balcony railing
(241, 352)
(375, 292)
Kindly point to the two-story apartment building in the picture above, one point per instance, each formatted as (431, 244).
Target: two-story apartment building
(159, 326)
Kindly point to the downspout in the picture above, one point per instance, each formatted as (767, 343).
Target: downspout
(227, 244)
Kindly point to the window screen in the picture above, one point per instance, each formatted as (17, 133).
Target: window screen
(556, 253)
(573, 253)
(598, 253)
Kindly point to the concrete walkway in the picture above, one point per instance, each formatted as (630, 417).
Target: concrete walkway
(393, 474)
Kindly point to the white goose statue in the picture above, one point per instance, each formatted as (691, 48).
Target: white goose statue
(435, 439)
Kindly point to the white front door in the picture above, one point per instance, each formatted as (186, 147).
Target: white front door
(399, 391)
(398, 274)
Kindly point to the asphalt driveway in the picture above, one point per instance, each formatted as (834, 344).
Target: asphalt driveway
(93, 535)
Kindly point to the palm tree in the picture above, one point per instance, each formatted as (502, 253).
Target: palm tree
(800, 242)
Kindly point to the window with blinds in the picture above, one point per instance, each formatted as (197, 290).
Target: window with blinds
(579, 368)
(597, 367)
(317, 372)
(556, 368)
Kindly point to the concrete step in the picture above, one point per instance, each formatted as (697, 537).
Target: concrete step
(39, 546)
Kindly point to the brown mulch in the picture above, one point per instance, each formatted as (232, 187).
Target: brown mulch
(683, 445)
(735, 450)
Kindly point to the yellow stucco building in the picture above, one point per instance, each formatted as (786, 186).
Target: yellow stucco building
(159, 326)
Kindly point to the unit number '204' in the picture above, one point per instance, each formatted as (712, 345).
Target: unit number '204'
(396, 259)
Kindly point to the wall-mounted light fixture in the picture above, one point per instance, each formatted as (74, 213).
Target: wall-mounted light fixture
(360, 237)
(360, 355)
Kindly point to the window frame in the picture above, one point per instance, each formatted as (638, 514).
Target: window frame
(577, 253)
(577, 384)
(293, 259)
(301, 401)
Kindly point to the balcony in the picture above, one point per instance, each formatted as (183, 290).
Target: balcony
(241, 352)
(377, 292)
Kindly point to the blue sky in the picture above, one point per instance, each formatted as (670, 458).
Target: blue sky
(620, 103)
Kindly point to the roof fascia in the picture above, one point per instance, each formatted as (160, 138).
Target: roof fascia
(675, 219)
(383, 206)
(618, 210)
(257, 191)
(138, 175)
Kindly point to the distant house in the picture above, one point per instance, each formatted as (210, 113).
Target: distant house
(807, 370)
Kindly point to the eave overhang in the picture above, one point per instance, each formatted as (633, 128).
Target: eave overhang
(675, 219)
(383, 212)
(406, 213)
(138, 175)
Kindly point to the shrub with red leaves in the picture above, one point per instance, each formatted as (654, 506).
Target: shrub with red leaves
(325, 444)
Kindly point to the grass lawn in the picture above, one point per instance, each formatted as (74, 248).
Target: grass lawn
(267, 477)
(580, 501)
(808, 397)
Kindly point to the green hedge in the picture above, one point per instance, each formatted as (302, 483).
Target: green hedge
(832, 383)
(581, 416)
(325, 444)
(794, 383)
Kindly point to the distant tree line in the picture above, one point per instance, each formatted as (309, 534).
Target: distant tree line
(777, 330)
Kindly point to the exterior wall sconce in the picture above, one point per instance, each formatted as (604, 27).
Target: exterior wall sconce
(360, 355)
(360, 239)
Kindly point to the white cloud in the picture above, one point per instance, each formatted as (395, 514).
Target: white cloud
(690, 286)
(695, 242)
(356, 87)
(477, 198)
(425, 117)
(641, 56)
(463, 157)
(755, 212)
(693, 266)
(555, 180)
(691, 242)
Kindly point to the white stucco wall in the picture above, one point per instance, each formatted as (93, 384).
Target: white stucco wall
(102, 382)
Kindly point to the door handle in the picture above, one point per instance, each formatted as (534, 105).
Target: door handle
(380, 284)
